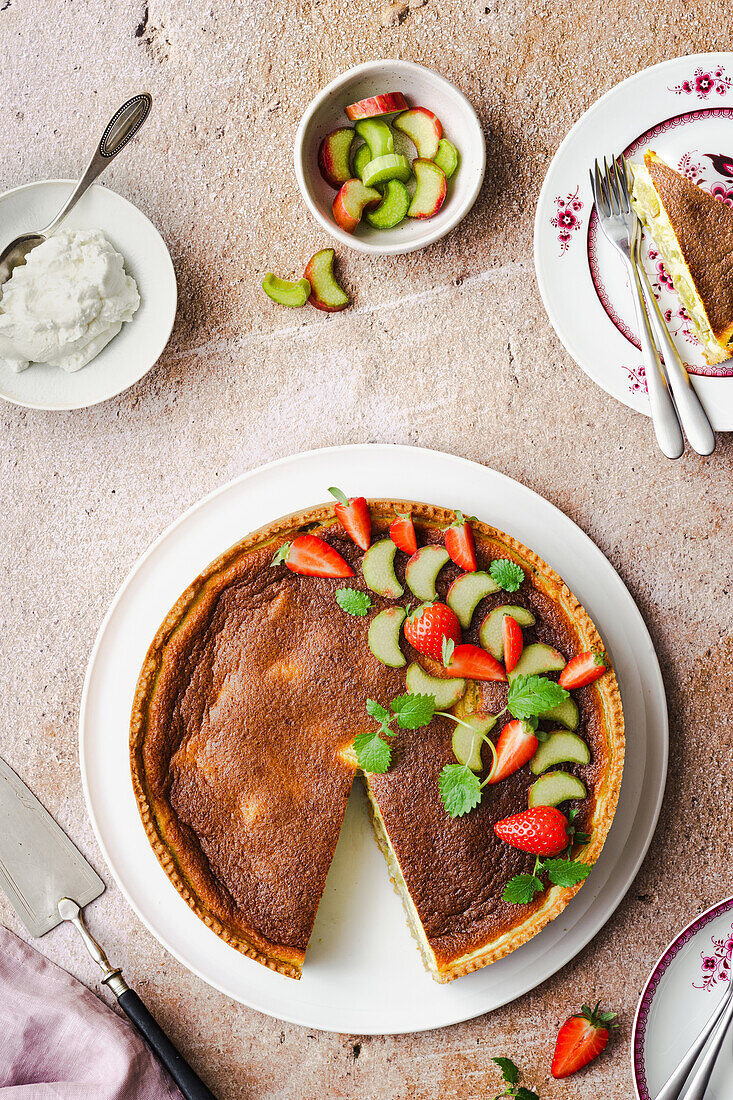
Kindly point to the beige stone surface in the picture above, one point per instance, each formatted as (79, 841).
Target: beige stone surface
(448, 349)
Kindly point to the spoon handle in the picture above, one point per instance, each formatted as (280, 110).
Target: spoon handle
(123, 126)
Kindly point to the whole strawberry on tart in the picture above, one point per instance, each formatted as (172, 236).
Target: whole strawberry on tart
(423, 651)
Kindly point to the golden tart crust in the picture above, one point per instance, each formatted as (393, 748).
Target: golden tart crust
(247, 703)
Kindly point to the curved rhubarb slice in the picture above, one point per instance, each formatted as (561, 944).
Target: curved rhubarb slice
(378, 569)
(430, 191)
(467, 742)
(421, 571)
(561, 747)
(565, 714)
(361, 158)
(351, 202)
(536, 660)
(385, 104)
(326, 294)
(445, 692)
(491, 634)
(384, 636)
(446, 157)
(393, 207)
(554, 788)
(377, 134)
(286, 293)
(465, 594)
(423, 128)
(333, 156)
(390, 166)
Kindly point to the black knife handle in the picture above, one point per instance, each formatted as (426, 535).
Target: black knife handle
(188, 1082)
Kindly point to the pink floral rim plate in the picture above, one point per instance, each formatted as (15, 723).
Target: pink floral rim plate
(683, 109)
(682, 991)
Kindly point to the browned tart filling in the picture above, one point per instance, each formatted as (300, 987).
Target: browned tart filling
(248, 704)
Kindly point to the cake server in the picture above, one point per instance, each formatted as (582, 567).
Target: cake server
(47, 881)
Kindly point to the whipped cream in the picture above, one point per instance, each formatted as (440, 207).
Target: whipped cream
(66, 302)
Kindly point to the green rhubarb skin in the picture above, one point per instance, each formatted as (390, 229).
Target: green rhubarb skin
(446, 157)
(393, 207)
(377, 134)
(382, 169)
(286, 293)
(362, 157)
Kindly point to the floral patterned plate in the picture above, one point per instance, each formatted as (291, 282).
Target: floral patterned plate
(683, 109)
(682, 992)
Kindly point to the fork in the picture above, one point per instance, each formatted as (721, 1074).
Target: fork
(620, 227)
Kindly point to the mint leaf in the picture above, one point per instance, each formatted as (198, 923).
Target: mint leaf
(525, 1094)
(374, 754)
(507, 574)
(280, 554)
(340, 496)
(376, 710)
(509, 1071)
(532, 695)
(522, 888)
(566, 872)
(460, 790)
(413, 711)
(352, 601)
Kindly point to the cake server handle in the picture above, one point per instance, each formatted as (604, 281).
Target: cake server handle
(697, 427)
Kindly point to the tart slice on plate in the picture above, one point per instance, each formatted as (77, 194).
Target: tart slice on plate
(267, 691)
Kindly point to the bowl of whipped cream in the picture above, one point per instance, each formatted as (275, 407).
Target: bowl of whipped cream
(92, 308)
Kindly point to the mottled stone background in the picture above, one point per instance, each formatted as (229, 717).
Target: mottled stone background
(449, 349)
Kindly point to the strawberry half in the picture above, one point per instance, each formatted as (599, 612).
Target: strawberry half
(430, 626)
(353, 514)
(581, 1039)
(402, 533)
(583, 669)
(473, 663)
(460, 545)
(311, 556)
(541, 831)
(517, 745)
(513, 642)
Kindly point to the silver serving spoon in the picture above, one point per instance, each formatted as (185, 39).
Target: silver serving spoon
(123, 126)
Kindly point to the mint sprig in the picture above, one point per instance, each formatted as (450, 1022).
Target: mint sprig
(563, 872)
(460, 789)
(353, 602)
(507, 574)
(510, 1076)
(532, 696)
(408, 712)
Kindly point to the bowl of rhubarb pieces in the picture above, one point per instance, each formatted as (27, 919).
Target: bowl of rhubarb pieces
(389, 157)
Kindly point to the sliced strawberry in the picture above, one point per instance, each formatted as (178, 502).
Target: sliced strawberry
(460, 545)
(513, 642)
(541, 831)
(583, 669)
(516, 746)
(473, 663)
(353, 514)
(430, 626)
(581, 1039)
(402, 533)
(311, 556)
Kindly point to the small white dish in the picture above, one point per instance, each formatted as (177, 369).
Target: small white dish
(423, 88)
(363, 973)
(141, 341)
(682, 992)
(682, 109)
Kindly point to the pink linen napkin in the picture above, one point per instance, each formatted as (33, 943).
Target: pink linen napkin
(60, 1042)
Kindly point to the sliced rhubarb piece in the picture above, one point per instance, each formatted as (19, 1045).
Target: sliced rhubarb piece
(565, 714)
(384, 636)
(466, 592)
(491, 634)
(385, 104)
(556, 787)
(561, 747)
(468, 739)
(430, 191)
(536, 660)
(390, 166)
(377, 134)
(393, 207)
(351, 202)
(286, 293)
(333, 156)
(446, 157)
(378, 569)
(362, 156)
(423, 128)
(445, 692)
(326, 294)
(422, 570)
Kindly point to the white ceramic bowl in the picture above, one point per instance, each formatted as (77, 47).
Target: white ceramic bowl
(423, 88)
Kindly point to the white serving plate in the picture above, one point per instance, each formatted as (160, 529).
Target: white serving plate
(141, 341)
(683, 109)
(363, 972)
